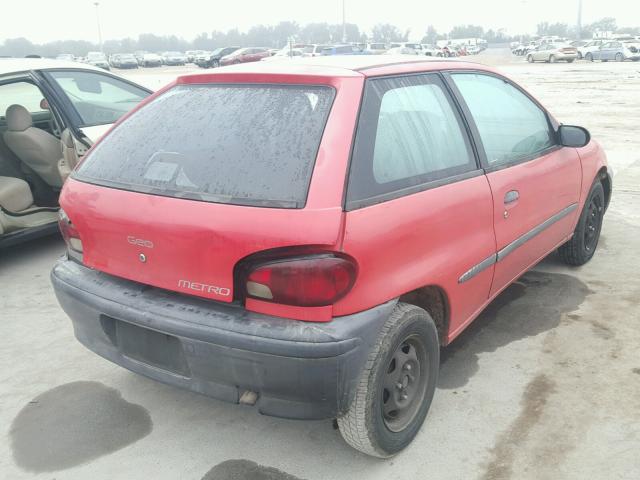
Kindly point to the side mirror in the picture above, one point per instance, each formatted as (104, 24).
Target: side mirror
(572, 136)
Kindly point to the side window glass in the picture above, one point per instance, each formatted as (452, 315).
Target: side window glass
(511, 126)
(408, 134)
(98, 99)
(21, 93)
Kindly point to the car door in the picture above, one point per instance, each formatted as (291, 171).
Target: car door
(535, 182)
(418, 205)
(540, 53)
(605, 51)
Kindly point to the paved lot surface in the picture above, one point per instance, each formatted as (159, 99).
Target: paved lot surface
(545, 385)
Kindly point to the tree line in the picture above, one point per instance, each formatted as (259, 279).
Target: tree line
(276, 36)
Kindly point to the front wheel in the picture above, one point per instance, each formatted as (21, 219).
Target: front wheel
(588, 57)
(619, 57)
(397, 384)
(570, 60)
(530, 58)
(216, 64)
(552, 59)
(582, 245)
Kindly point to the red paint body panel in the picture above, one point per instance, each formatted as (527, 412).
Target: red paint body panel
(546, 186)
(429, 238)
(195, 241)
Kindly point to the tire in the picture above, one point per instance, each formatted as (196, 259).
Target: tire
(408, 337)
(215, 64)
(588, 57)
(570, 60)
(552, 59)
(579, 56)
(580, 249)
(619, 57)
(530, 58)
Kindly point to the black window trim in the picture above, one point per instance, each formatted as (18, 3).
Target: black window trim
(350, 205)
(475, 133)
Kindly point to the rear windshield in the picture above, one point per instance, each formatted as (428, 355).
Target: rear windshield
(245, 145)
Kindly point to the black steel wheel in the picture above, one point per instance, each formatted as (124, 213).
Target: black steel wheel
(396, 386)
(580, 249)
(404, 383)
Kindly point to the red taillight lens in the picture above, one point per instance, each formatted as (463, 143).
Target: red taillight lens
(69, 232)
(313, 281)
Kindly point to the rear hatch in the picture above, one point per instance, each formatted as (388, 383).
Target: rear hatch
(200, 178)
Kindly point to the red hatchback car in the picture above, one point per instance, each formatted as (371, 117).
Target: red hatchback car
(245, 55)
(305, 237)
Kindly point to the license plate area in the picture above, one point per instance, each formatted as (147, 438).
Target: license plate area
(147, 346)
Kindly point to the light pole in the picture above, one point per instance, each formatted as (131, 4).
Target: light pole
(579, 26)
(344, 23)
(97, 4)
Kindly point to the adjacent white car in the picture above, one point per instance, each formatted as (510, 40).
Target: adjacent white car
(51, 112)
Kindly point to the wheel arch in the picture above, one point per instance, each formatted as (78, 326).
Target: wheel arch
(435, 301)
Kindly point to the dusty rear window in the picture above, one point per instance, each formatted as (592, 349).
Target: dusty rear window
(239, 144)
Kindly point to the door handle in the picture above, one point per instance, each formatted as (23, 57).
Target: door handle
(511, 196)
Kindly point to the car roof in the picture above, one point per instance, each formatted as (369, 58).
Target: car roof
(18, 65)
(341, 66)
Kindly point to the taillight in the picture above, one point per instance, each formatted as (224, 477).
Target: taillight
(69, 234)
(311, 281)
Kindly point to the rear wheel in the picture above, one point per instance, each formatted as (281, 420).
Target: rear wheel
(619, 57)
(396, 386)
(216, 64)
(570, 60)
(582, 245)
(552, 59)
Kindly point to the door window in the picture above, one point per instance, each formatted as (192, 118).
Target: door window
(21, 93)
(98, 99)
(511, 126)
(408, 135)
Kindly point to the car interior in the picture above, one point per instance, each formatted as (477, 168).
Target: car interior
(36, 156)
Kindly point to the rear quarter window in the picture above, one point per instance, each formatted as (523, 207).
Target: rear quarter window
(238, 144)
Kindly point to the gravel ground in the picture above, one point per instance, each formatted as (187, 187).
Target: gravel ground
(545, 384)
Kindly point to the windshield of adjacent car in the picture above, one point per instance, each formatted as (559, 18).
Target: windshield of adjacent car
(238, 144)
(97, 98)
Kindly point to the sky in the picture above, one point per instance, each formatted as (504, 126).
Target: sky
(45, 20)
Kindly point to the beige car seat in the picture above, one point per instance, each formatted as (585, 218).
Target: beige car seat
(34, 147)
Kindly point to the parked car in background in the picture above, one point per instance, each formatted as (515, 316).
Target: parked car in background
(123, 60)
(66, 56)
(615, 51)
(342, 50)
(430, 50)
(212, 59)
(51, 112)
(174, 58)
(590, 46)
(97, 59)
(323, 289)
(314, 50)
(151, 60)
(401, 51)
(376, 48)
(294, 53)
(416, 46)
(553, 52)
(139, 54)
(245, 55)
(192, 54)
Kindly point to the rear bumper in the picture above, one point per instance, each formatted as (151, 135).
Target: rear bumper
(299, 369)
